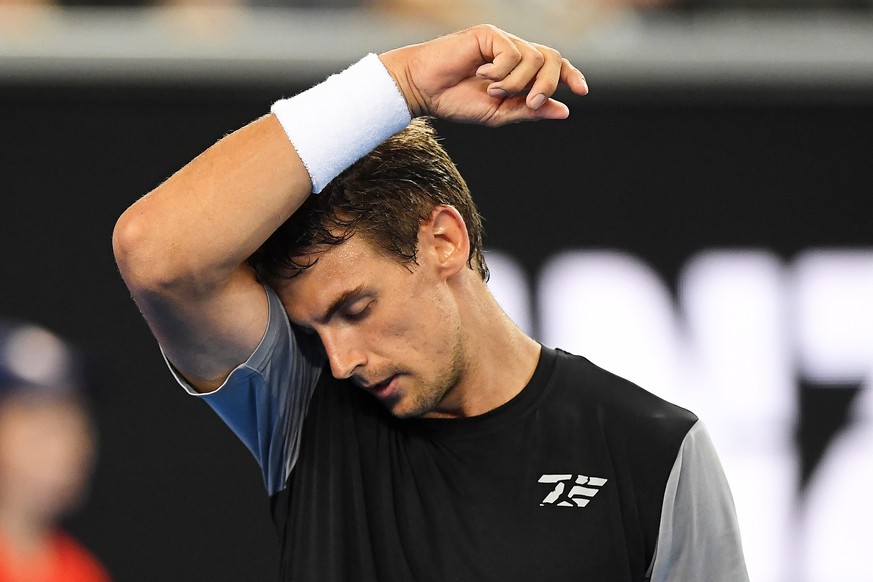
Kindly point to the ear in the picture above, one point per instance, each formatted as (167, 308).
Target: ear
(443, 241)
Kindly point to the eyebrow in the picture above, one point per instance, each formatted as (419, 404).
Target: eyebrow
(339, 302)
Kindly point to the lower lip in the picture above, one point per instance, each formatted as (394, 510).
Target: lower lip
(387, 390)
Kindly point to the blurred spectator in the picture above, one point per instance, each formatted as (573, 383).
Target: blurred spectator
(214, 3)
(47, 449)
(560, 17)
(470, 10)
(776, 4)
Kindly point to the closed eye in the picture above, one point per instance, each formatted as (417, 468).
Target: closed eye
(353, 313)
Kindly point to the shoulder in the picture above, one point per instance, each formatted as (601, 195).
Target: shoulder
(637, 434)
(77, 562)
(698, 535)
(617, 403)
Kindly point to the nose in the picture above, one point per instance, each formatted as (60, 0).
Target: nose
(343, 356)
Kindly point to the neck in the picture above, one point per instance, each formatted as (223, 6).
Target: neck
(498, 360)
(24, 535)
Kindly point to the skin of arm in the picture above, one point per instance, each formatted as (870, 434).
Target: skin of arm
(181, 248)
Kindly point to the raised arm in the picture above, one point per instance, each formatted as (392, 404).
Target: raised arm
(182, 248)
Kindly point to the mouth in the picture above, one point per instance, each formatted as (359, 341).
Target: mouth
(384, 389)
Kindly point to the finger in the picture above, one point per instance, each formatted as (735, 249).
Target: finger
(532, 61)
(545, 83)
(515, 109)
(498, 50)
(552, 109)
(488, 72)
(573, 78)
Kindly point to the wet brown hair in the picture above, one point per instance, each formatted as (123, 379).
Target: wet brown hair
(384, 197)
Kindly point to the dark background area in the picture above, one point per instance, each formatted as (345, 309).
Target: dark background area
(662, 174)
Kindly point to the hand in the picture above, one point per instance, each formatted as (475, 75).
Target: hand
(483, 75)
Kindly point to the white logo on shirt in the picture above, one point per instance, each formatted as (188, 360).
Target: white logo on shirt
(571, 490)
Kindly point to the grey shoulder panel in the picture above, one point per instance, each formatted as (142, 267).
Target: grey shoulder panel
(265, 399)
(699, 537)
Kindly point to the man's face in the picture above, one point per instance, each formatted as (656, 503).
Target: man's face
(393, 330)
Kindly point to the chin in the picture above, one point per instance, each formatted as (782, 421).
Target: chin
(416, 400)
(400, 411)
(404, 408)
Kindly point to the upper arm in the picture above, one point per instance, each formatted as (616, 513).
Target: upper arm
(699, 536)
(206, 337)
(205, 328)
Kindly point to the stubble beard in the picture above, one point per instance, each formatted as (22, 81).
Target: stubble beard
(424, 398)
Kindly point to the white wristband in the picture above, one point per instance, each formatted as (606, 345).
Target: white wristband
(339, 121)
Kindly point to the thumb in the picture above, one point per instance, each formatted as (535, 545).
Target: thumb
(515, 110)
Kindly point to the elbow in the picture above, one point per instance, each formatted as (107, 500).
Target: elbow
(159, 266)
(135, 251)
(145, 258)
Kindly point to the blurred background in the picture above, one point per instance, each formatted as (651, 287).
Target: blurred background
(697, 225)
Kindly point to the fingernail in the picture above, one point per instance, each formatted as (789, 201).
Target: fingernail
(537, 101)
(497, 92)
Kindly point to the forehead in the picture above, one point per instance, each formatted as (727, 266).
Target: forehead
(337, 270)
